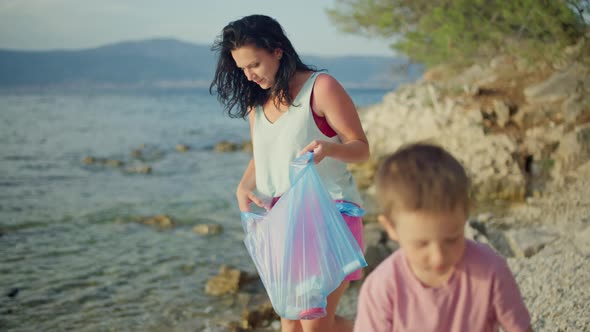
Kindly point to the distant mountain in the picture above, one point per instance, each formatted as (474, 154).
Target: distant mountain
(367, 71)
(169, 62)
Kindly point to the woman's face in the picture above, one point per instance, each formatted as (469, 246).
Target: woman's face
(259, 65)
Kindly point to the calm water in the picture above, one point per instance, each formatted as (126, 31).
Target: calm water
(73, 257)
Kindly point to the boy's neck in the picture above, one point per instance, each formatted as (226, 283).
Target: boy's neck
(429, 279)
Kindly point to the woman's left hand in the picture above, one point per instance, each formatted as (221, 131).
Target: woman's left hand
(319, 148)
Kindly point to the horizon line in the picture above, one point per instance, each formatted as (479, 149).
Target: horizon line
(179, 40)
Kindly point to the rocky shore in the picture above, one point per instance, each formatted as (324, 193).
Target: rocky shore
(523, 133)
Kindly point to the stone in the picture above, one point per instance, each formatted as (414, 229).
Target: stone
(225, 146)
(136, 153)
(485, 217)
(575, 106)
(502, 112)
(88, 160)
(160, 221)
(182, 148)
(208, 229)
(258, 314)
(582, 241)
(113, 163)
(559, 86)
(526, 242)
(247, 146)
(477, 232)
(140, 169)
(227, 281)
(573, 150)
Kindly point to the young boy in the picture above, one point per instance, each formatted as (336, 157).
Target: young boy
(437, 280)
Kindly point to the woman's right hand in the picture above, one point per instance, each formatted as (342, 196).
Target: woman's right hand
(246, 198)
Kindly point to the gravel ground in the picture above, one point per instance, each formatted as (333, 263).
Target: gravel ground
(556, 282)
(556, 287)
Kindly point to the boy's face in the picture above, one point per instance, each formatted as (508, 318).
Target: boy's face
(433, 242)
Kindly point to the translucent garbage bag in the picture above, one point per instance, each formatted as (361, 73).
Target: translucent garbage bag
(302, 247)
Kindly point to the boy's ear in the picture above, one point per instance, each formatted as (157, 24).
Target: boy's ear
(387, 224)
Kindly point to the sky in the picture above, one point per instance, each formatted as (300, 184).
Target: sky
(78, 24)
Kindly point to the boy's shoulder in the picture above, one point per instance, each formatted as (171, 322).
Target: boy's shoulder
(482, 250)
(479, 260)
(391, 262)
(388, 268)
(381, 284)
(483, 258)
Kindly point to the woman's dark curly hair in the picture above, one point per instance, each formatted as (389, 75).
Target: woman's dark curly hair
(231, 85)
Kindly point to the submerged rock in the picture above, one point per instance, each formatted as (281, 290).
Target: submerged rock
(182, 148)
(225, 146)
(160, 221)
(227, 281)
(208, 229)
(144, 169)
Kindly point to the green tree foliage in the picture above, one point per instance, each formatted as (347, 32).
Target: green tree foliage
(462, 31)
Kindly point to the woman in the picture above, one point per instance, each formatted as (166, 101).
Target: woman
(292, 109)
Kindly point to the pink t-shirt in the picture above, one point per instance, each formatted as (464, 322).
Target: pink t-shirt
(480, 295)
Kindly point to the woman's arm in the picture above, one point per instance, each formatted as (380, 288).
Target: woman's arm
(245, 190)
(333, 102)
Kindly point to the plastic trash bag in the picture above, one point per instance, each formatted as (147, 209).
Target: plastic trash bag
(302, 247)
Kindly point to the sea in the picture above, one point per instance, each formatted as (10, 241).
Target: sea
(75, 254)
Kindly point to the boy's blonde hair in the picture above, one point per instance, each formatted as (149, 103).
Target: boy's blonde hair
(422, 177)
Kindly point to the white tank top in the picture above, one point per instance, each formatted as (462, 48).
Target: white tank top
(276, 144)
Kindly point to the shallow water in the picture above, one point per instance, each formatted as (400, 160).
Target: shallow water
(74, 257)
